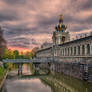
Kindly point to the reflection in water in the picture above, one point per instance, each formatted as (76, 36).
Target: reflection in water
(74, 85)
(4, 89)
(17, 84)
(48, 83)
(62, 83)
(32, 85)
(26, 70)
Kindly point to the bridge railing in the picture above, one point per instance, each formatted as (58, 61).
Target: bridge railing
(27, 60)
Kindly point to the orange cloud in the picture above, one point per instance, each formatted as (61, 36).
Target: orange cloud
(20, 49)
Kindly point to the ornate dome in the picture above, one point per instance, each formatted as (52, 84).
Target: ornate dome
(60, 26)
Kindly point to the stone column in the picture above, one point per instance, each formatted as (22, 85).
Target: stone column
(73, 51)
(85, 49)
(69, 51)
(59, 51)
(77, 50)
(56, 52)
(81, 50)
(64, 51)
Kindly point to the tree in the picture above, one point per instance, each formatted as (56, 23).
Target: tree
(16, 54)
(8, 54)
(2, 43)
(28, 55)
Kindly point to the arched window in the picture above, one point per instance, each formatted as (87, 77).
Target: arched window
(78, 50)
(74, 50)
(83, 49)
(88, 49)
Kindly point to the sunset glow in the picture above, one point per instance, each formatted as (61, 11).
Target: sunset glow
(29, 23)
(24, 50)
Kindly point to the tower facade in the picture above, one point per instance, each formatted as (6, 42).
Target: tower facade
(60, 36)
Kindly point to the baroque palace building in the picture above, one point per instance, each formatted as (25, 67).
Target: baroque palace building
(70, 57)
(60, 35)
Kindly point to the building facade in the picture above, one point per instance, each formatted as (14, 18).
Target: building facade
(70, 57)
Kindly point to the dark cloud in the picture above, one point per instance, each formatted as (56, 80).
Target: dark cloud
(87, 5)
(15, 1)
(19, 45)
(26, 22)
(89, 20)
(7, 15)
(78, 28)
(6, 18)
(19, 42)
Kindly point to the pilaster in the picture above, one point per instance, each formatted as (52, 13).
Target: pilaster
(91, 48)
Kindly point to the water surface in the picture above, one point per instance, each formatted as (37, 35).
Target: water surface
(48, 83)
(26, 85)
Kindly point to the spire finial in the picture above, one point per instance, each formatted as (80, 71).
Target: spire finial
(60, 18)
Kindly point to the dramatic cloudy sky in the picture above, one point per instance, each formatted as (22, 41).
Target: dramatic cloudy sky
(29, 23)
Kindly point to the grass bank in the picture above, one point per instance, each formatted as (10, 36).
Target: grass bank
(2, 73)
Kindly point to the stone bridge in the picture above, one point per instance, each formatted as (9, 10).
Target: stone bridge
(34, 61)
(22, 61)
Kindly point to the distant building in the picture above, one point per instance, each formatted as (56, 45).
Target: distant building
(46, 45)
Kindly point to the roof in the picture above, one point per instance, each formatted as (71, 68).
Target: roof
(44, 49)
(77, 40)
(74, 41)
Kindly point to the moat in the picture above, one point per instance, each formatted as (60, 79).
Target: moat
(43, 83)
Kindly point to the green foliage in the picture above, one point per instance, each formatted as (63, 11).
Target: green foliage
(2, 70)
(21, 56)
(16, 53)
(28, 55)
(8, 54)
(15, 66)
(6, 65)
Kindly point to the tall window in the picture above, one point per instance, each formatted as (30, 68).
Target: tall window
(61, 52)
(88, 49)
(83, 49)
(78, 50)
(74, 50)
